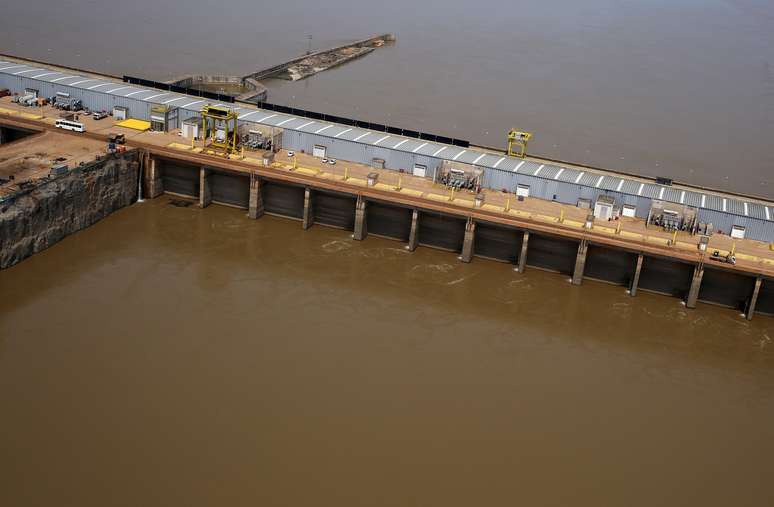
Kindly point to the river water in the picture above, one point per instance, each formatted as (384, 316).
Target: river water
(178, 356)
(675, 88)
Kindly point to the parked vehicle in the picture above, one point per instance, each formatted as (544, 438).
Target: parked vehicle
(99, 115)
(70, 125)
(116, 138)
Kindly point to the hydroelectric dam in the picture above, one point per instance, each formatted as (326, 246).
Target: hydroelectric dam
(424, 190)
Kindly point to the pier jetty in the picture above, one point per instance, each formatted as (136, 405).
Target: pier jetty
(320, 60)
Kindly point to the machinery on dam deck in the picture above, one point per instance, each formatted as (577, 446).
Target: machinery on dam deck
(400, 149)
(219, 129)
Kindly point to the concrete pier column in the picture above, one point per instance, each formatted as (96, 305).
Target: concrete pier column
(636, 278)
(308, 208)
(152, 174)
(255, 207)
(205, 191)
(523, 253)
(361, 228)
(693, 294)
(414, 234)
(580, 262)
(753, 299)
(467, 243)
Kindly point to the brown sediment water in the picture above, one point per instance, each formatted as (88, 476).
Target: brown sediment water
(177, 356)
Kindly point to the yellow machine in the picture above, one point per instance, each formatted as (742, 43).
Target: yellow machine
(219, 129)
(517, 139)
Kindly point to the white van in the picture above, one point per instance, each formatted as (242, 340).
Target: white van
(70, 125)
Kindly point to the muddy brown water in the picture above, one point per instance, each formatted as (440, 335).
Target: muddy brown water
(174, 356)
(178, 356)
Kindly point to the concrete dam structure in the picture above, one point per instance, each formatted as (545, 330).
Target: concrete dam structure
(528, 212)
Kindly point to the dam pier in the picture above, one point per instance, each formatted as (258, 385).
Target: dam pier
(422, 190)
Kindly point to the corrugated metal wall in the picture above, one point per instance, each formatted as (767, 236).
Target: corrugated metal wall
(548, 185)
(357, 152)
(754, 228)
(93, 99)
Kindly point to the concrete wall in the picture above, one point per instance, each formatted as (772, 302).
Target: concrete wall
(448, 232)
(283, 200)
(609, 265)
(666, 276)
(766, 298)
(726, 288)
(231, 189)
(178, 178)
(441, 231)
(497, 242)
(36, 219)
(334, 210)
(552, 253)
(388, 220)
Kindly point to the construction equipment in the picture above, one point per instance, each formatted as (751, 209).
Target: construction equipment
(68, 103)
(116, 138)
(730, 258)
(518, 139)
(25, 100)
(220, 124)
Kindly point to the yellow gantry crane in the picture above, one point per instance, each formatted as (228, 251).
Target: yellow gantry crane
(221, 124)
(519, 140)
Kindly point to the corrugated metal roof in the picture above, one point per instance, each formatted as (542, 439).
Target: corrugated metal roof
(589, 179)
(569, 175)
(630, 187)
(509, 164)
(651, 190)
(529, 167)
(99, 84)
(672, 195)
(610, 183)
(549, 172)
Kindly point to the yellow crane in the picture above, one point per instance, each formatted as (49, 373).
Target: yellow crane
(221, 124)
(518, 139)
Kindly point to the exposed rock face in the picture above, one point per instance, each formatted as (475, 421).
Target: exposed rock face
(36, 219)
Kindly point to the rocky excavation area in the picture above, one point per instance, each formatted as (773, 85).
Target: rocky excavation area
(40, 216)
